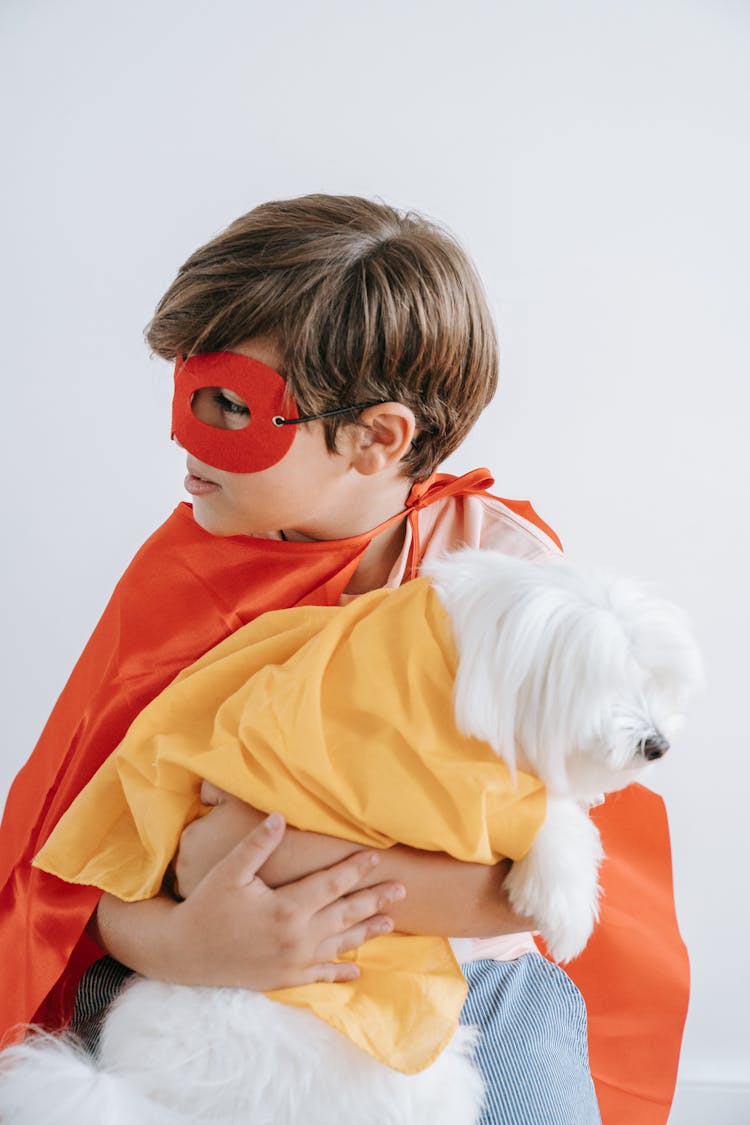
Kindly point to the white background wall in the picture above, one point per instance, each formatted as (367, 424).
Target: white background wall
(592, 155)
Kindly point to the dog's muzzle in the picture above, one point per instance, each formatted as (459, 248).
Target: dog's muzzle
(655, 747)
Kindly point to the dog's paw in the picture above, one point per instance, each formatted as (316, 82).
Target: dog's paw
(567, 939)
(556, 883)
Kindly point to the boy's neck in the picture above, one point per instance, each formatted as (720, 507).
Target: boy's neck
(382, 553)
(378, 560)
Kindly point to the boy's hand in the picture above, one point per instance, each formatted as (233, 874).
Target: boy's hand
(234, 931)
(239, 931)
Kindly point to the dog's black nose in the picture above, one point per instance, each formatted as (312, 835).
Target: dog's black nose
(655, 747)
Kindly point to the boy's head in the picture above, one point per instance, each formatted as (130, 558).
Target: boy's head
(363, 303)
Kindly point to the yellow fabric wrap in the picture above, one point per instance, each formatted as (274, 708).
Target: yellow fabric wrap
(342, 719)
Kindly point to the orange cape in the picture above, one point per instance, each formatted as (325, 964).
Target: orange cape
(183, 593)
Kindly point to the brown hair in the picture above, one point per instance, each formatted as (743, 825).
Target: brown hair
(363, 302)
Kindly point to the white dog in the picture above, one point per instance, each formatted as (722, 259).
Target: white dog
(577, 678)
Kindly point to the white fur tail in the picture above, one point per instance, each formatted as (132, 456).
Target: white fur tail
(51, 1080)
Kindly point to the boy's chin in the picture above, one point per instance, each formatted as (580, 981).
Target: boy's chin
(217, 524)
(211, 522)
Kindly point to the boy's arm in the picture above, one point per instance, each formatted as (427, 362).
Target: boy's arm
(444, 895)
(235, 931)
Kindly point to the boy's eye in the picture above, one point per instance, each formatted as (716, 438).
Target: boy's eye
(232, 406)
(219, 407)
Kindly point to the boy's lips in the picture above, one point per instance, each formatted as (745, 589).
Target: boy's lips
(198, 486)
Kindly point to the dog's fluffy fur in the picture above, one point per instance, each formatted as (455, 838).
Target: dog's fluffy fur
(171, 1055)
(577, 678)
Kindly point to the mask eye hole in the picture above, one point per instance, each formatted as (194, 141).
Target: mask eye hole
(221, 408)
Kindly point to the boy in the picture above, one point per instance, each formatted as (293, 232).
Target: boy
(383, 351)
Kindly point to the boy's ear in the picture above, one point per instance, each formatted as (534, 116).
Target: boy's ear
(382, 437)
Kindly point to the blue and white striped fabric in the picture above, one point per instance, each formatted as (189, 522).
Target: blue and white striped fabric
(99, 986)
(533, 1046)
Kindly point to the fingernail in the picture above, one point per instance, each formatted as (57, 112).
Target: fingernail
(396, 894)
(272, 822)
(344, 973)
(385, 926)
(374, 859)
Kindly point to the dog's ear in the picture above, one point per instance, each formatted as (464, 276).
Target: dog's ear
(535, 657)
(466, 582)
(546, 651)
(501, 610)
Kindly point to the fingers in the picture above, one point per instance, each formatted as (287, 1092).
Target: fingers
(346, 924)
(356, 908)
(338, 944)
(241, 865)
(330, 972)
(211, 794)
(325, 887)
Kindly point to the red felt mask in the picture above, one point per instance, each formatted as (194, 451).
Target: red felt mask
(236, 437)
(242, 436)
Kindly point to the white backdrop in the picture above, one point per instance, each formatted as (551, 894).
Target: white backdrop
(593, 157)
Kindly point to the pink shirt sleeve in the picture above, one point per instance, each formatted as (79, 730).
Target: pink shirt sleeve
(473, 521)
